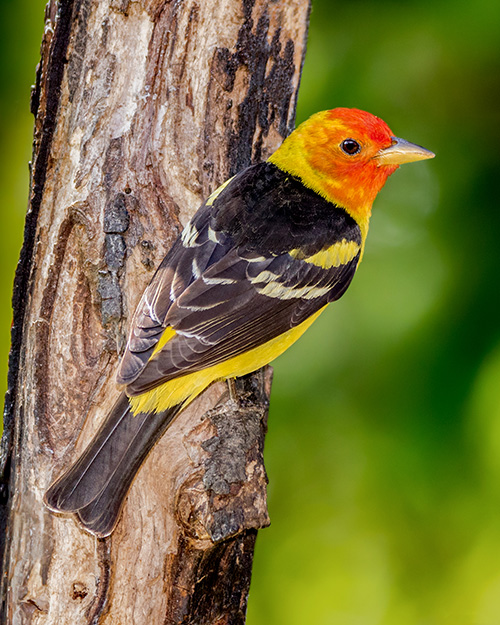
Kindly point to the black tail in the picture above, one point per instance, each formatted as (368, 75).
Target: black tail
(95, 486)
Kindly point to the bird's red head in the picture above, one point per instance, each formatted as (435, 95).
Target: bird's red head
(346, 155)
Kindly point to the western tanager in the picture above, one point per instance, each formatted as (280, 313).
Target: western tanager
(259, 261)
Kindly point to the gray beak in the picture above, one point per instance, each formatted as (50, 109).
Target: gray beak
(402, 151)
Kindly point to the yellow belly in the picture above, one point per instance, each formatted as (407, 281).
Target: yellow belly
(185, 388)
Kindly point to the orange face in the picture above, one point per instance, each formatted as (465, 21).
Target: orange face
(346, 155)
(342, 146)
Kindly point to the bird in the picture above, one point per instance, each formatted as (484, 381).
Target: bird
(256, 265)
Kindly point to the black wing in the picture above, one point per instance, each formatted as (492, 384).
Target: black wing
(234, 280)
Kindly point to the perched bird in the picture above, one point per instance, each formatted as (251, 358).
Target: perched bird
(255, 266)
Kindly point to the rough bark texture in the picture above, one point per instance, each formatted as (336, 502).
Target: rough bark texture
(142, 109)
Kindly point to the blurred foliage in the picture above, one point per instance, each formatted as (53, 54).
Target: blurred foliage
(21, 29)
(384, 435)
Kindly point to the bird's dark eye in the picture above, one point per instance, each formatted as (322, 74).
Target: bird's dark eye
(351, 147)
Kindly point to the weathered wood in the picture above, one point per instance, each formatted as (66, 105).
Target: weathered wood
(142, 109)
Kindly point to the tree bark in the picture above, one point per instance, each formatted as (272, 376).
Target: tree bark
(142, 109)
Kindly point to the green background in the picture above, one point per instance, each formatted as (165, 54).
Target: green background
(383, 449)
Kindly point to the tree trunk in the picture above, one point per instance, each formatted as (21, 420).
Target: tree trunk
(142, 109)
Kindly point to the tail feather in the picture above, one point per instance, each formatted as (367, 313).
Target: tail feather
(96, 485)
